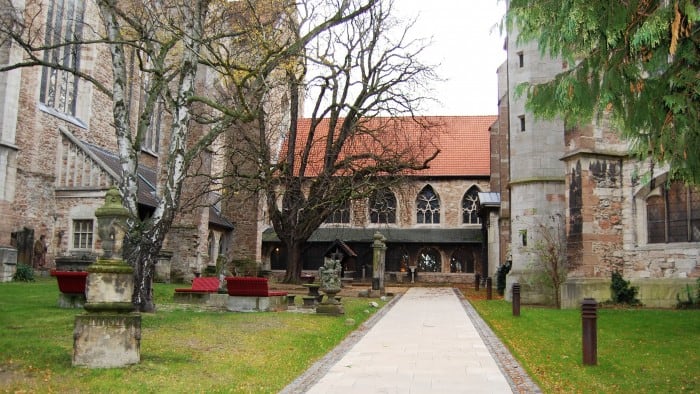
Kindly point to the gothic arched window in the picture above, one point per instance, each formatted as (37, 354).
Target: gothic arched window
(674, 215)
(470, 206)
(462, 261)
(382, 207)
(427, 206)
(429, 260)
(59, 88)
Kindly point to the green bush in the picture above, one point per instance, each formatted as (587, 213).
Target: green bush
(501, 273)
(622, 292)
(24, 273)
(691, 302)
(245, 267)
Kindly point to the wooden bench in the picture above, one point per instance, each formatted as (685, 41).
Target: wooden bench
(248, 294)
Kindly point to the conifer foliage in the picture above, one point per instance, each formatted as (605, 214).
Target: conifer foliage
(638, 60)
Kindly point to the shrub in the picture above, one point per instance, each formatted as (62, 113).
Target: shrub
(622, 292)
(245, 267)
(24, 273)
(691, 302)
(501, 273)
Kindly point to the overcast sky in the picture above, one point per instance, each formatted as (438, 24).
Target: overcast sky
(468, 47)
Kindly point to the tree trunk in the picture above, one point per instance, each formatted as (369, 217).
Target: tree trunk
(144, 269)
(294, 262)
(142, 255)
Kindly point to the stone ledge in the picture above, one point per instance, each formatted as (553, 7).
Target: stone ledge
(256, 304)
(653, 293)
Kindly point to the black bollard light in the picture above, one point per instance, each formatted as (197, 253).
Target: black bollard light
(489, 289)
(477, 279)
(516, 299)
(590, 335)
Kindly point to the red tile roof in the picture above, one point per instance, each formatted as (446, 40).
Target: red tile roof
(463, 142)
(464, 146)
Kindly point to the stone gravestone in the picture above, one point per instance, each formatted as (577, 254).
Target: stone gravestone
(378, 262)
(108, 334)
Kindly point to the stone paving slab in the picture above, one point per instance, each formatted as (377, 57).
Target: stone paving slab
(422, 342)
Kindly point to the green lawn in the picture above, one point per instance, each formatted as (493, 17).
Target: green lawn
(639, 350)
(181, 350)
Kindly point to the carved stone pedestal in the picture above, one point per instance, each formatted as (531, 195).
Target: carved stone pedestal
(107, 340)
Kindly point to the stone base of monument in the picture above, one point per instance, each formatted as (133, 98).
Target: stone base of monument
(107, 340)
(330, 309)
(371, 293)
(256, 304)
(71, 300)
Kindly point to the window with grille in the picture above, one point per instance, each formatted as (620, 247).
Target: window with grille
(427, 206)
(340, 215)
(64, 31)
(82, 234)
(382, 207)
(470, 206)
(674, 216)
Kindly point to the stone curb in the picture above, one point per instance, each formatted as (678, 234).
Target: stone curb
(519, 380)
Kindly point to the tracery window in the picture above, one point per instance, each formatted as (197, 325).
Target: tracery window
(427, 206)
(340, 215)
(151, 139)
(64, 23)
(470, 206)
(674, 215)
(429, 260)
(382, 207)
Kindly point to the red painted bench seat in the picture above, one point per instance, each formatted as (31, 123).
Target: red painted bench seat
(71, 282)
(246, 286)
(202, 285)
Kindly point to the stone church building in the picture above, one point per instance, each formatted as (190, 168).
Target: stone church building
(58, 158)
(618, 214)
(430, 220)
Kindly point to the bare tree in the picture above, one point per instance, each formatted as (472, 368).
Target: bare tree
(363, 80)
(549, 249)
(205, 61)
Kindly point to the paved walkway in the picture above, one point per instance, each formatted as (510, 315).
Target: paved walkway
(428, 341)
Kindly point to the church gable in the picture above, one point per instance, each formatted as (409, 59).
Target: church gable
(78, 167)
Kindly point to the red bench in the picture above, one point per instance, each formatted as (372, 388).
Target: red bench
(246, 286)
(202, 285)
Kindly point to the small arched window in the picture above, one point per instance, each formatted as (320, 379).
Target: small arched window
(470, 206)
(382, 207)
(427, 206)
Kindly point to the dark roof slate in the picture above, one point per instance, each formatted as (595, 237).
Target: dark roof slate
(392, 235)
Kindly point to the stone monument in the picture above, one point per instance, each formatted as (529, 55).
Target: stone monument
(330, 285)
(108, 334)
(378, 262)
